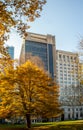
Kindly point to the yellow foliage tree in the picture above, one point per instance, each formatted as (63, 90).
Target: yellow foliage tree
(18, 13)
(28, 91)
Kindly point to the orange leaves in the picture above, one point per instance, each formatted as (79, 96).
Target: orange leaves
(2, 29)
(16, 13)
(28, 89)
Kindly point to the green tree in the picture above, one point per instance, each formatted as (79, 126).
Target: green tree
(28, 91)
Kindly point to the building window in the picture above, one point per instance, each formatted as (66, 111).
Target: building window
(64, 64)
(65, 78)
(67, 58)
(71, 58)
(65, 71)
(69, 116)
(81, 114)
(59, 56)
(76, 109)
(65, 74)
(64, 57)
(61, 81)
(75, 59)
(80, 109)
(61, 77)
(76, 115)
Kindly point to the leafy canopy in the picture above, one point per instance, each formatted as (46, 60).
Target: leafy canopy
(27, 90)
(18, 13)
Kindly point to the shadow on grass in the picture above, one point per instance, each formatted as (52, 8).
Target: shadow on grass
(42, 124)
(67, 127)
(13, 128)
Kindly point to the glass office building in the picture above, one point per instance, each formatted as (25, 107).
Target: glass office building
(42, 46)
(10, 50)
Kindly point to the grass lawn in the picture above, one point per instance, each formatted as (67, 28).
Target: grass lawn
(63, 125)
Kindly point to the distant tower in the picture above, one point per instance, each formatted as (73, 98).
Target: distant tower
(10, 50)
(42, 46)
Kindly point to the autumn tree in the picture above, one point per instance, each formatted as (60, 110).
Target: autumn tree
(17, 14)
(28, 91)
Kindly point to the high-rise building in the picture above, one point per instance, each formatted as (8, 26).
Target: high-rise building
(63, 66)
(10, 50)
(67, 76)
(42, 46)
(67, 67)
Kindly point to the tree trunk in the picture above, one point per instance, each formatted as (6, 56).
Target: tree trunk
(28, 119)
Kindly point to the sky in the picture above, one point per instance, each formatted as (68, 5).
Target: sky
(61, 18)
